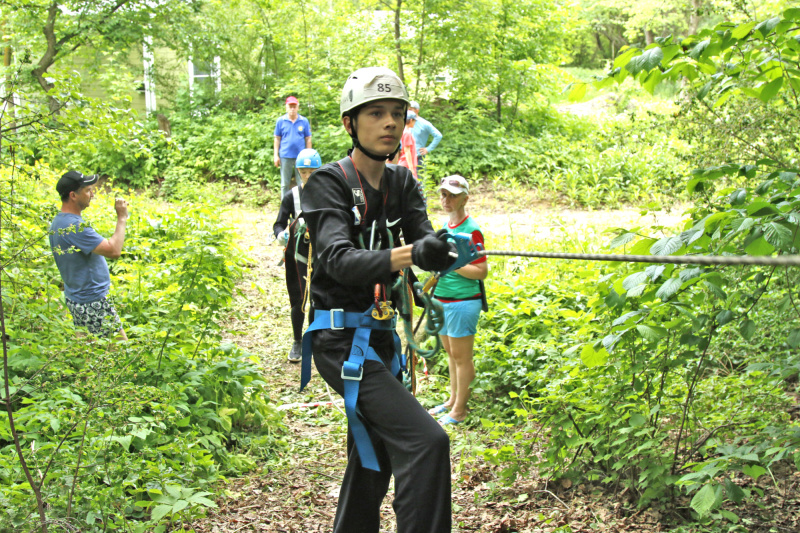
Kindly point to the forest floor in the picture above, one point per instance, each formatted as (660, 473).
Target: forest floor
(296, 491)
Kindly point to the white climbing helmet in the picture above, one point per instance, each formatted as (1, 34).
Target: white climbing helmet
(371, 83)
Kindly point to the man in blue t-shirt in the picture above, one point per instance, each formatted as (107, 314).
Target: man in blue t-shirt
(422, 131)
(80, 254)
(292, 134)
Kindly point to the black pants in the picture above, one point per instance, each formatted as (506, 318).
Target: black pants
(408, 442)
(296, 286)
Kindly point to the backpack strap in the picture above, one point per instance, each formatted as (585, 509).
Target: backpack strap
(296, 198)
(484, 301)
(353, 180)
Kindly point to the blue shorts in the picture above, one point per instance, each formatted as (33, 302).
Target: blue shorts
(461, 318)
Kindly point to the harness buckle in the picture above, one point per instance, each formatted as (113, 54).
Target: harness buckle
(333, 323)
(347, 371)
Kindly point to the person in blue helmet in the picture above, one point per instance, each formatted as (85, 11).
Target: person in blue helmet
(356, 210)
(290, 232)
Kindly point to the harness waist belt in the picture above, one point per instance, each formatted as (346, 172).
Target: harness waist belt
(353, 368)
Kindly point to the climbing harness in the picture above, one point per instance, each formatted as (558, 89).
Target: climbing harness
(381, 315)
(353, 368)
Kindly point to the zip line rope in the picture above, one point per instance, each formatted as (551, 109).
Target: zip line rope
(781, 260)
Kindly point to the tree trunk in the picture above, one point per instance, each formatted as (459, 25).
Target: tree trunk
(499, 107)
(48, 58)
(420, 54)
(599, 44)
(648, 37)
(397, 47)
(694, 17)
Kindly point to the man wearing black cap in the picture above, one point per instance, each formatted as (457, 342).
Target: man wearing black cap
(80, 254)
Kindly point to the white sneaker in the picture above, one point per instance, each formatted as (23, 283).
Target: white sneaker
(296, 353)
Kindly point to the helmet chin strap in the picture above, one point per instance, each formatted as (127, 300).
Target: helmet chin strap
(371, 155)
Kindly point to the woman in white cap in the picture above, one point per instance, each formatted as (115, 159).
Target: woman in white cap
(461, 293)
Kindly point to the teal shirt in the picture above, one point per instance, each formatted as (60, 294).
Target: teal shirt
(454, 286)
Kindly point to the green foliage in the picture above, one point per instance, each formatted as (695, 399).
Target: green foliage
(136, 434)
(605, 161)
(231, 146)
(623, 366)
(675, 378)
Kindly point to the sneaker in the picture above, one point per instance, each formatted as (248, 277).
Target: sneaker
(296, 353)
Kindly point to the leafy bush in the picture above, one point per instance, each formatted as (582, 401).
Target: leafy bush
(593, 162)
(623, 365)
(230, 146)
(95, 136)
(134, 434)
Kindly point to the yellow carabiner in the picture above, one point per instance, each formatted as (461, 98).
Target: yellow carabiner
(385, 312)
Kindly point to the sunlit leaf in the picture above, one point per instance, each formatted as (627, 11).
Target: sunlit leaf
(769, 90)
(704, 500)
(591, 357)
(670, 287)
(698, 49)
(666, 246)
(743, 30)
(648, 60)
(651, 333)
(754, 471)
(634, 279)
(160, 511)
(621, 240)
(577, 92)
(636, 420)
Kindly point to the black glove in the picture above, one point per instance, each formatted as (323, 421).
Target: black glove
(432, 253)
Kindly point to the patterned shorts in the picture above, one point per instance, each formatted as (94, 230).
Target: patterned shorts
(99, 317)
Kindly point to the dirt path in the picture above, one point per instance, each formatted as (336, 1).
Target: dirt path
(298, 492)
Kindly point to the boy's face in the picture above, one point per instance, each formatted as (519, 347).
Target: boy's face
(379, 125)
(305, 173)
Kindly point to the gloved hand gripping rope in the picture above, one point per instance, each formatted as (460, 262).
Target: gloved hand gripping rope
(465, 251)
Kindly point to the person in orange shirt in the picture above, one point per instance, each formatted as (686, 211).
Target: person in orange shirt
(408, 154)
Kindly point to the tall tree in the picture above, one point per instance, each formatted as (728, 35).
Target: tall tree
(492, 48)
(48, 31)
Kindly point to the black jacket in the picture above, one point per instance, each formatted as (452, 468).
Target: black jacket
(344, 275)
(285, 212)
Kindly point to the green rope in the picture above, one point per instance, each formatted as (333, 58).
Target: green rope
(433, 312)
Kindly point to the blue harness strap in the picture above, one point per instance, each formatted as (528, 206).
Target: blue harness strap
(353, 368)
